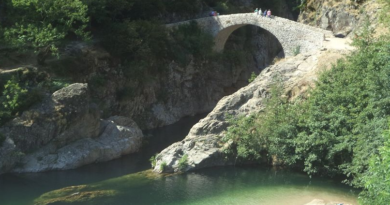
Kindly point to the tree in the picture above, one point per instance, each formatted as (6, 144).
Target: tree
(377, 178)
(42, 24)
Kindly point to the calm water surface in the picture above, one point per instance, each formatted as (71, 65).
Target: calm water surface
(222, 185)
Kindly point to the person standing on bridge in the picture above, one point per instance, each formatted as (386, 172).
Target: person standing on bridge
(269, 13)
(265, 13)
(260, 12)
(256, 11)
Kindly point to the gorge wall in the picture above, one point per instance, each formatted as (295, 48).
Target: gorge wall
(100, 117)
(341, 17)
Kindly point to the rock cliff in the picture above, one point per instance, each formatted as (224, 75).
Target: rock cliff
(63, 132)
(203, 146)
(341, 17)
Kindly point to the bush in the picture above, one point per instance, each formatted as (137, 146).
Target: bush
(337, 129)
(153, 160)
(163, 166)
(267, 134)
(377, 178)
(15, 99)
(297, 50)
(13, 95)
(189, 39)
(183, 162)
(252, 78)
(57, 84)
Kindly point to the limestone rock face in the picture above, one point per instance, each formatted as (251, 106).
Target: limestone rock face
(120, 136)
(340, 17)
(203, 144)
(63, 132)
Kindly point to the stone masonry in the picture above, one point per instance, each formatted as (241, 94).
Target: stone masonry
(291, 35)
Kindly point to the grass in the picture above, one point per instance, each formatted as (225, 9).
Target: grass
(163, 166)
(183, 162)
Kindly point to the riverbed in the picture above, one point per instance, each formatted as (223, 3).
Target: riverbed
(128, 180)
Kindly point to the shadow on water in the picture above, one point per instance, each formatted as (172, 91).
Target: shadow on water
(129, 180)
(19, 188)
(218, 185)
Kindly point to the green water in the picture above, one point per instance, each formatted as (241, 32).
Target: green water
(124, 181)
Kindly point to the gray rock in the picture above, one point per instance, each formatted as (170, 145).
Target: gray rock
(204, 146)
(120, 136)
(64, 132)
(62, 118)
(342, 18)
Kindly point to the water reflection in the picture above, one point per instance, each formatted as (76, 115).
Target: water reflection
(20, 188)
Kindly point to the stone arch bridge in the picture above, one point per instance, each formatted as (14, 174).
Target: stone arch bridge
(290, 34)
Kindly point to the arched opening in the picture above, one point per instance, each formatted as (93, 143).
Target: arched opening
(249, 49)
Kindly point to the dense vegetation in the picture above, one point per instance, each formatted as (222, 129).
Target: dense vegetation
(141, 45)
(337, 130)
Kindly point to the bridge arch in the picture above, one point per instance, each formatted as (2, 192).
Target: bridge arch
(222, 37)
(290, 34)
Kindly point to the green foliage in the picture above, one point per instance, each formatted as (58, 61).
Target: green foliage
(56, 84)
(252, 78)
(15, 98)
(297, 50)
(242, 137)
(385, 12)
(301, 5)
(13, 94)
(142, 46)
(183, 162)
(42, 24)
(188, 40)
(270, 132)
(222, 7)
(163, 166)
(153, 160)
(377, 178)
(337, 129)
(346, 113)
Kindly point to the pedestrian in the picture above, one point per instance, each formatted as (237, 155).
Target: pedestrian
(269, 13)
(256, 11)
(260, 12)
(265, 13)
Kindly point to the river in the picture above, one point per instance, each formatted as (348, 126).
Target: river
(128, 181)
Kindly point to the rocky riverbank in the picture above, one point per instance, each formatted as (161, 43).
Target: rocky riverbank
(64, 132)
(203, 146)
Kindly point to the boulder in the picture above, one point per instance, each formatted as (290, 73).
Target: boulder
(119, 136)
(63, 132)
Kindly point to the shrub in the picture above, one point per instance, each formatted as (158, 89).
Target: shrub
(297, 50)
(15, 99)
(57, 84)
(252, 78)
(13, 94)
(183, 162)
(153, 160)
(189, 39)
(337, 129)
(377, 178)
(163, 166)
